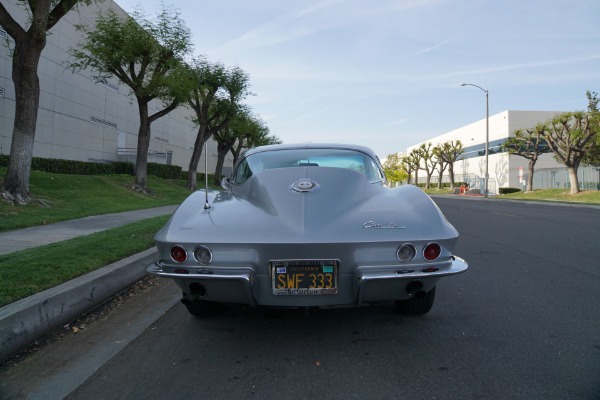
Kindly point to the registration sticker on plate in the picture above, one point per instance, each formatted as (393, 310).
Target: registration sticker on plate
(307, 277)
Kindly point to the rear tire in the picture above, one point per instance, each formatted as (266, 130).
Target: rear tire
(203, 308)
(420, 304)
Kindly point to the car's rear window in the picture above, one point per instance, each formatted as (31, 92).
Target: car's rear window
(290, 158)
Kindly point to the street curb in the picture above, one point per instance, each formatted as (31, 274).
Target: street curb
(25, 320)
(533, 202)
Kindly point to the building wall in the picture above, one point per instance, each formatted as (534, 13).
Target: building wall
(82, 119)
(504, 170)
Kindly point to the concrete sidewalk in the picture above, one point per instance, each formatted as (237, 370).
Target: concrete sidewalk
(27, 319)
(27, 238)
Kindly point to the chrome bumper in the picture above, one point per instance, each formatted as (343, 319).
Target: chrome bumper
(245, 276)
(370, 283)
(370, 276)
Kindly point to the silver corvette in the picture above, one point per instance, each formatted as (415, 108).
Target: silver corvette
(307, 225)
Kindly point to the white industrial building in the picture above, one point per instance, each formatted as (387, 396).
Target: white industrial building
(82, 119)
(505, 170)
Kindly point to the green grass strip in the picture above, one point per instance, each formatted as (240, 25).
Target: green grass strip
(556, 195)
(28, 272)
(550, 195)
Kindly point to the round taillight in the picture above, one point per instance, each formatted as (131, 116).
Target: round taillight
(432, 251)
(406, 252)
(203, 255)
(178, 254)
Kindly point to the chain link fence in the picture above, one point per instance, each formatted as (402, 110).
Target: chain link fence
(558, 178)
(548, 178)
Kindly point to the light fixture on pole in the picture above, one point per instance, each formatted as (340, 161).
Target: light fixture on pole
(487, 134)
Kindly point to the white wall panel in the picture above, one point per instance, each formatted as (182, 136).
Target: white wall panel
(68, 100)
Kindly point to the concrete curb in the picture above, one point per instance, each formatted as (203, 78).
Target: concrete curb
(25, 320)
(533, 202)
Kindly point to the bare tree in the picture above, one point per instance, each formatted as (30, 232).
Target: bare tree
(28, 45)
(570, 135)
(530, 144)
(146, 55)
(449, 153)
(408, 167)
(440, 164)
(429, 161)
(414, 159)
(592, 156)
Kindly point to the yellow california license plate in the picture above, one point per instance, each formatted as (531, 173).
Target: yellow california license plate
(305, 277)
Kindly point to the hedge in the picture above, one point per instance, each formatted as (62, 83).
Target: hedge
(72, 167)
(164, 171)
(58, 166)
(124, 168)
(508, 190)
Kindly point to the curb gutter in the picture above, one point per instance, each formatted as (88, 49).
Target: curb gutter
(25, 320)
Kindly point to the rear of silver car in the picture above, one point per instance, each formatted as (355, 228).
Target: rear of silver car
(305, 226)
(334, 274)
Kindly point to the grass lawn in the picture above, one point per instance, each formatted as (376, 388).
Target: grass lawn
(62, 197)
(556, 195)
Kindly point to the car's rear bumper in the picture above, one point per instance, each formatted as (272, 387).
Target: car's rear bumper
(376, 284)
(364, 285)
(229, 281)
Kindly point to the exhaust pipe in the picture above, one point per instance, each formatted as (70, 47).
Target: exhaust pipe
(415, 288)
(196, 290)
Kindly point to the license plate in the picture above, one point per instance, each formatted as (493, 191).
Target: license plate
(308, 277)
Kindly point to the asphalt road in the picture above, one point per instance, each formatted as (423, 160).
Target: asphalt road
(522, 323)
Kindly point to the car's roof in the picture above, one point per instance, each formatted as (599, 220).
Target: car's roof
(310, 145)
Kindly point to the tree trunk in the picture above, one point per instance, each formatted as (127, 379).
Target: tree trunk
(16, 180)
(141, 159)
(530, 177)
(236, 151)
(222, 150)
(451, 173)
(201, 138)
(26, 57)
(573, 179)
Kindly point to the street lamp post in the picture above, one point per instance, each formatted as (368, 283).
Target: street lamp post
(487, 135)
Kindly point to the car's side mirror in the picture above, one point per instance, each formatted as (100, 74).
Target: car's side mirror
(225, 183)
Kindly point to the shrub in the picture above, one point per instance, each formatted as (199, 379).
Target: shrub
(124, 168)
(58, 166)
(508, 190)
(164, 171)
(199, 178)
(73, 167)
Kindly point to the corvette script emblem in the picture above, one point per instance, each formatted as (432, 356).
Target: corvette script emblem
(385, 225)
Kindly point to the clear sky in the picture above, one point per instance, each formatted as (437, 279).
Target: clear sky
(387, 73)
